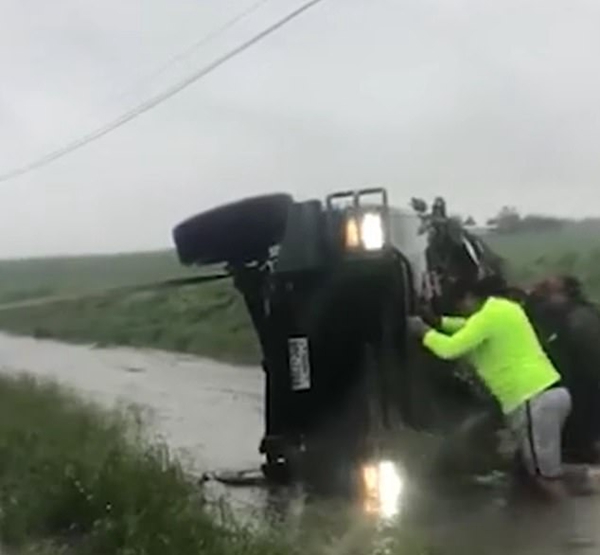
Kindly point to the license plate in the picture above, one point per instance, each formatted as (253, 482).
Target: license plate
(299, 363)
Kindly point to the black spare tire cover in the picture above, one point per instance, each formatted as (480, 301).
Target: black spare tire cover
(241, 231)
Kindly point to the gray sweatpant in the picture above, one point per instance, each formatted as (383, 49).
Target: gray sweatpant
(537, 426)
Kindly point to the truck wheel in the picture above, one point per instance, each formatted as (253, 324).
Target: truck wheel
(239, 232)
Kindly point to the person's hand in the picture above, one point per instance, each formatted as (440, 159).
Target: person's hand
(429, 316)
(417, 327)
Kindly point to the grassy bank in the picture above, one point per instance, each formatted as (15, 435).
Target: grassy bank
(210, 320)
(85, 481)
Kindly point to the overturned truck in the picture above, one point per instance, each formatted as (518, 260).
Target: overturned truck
(329, 286)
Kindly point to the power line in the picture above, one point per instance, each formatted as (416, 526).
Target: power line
(176, 58)
(157, 99)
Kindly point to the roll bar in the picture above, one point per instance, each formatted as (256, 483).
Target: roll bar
(357, 196)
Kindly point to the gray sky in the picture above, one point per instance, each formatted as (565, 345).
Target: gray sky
(487, 102)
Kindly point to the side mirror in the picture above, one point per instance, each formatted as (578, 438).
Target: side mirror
(419, 205)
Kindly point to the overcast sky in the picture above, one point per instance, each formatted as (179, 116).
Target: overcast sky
(487, 102)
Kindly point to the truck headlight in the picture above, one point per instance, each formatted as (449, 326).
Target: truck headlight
(352, 235)
(371, 231)
(366, 231)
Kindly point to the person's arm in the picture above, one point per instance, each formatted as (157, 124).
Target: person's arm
(451, 324)
(468, 337)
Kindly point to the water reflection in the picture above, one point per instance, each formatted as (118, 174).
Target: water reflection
(457, 521)
(383, 485)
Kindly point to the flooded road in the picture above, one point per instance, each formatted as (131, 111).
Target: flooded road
(210, 414)
(211, 417)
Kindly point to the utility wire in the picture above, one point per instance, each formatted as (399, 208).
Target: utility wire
(157, 99)
(176, 58)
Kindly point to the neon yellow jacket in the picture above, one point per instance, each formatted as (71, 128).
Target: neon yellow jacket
(501, 344)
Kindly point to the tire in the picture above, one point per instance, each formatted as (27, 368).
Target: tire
(239, 232)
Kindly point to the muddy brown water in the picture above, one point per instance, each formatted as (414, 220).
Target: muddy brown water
(211, 417)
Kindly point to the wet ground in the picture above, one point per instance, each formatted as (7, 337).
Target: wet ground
(211, 416)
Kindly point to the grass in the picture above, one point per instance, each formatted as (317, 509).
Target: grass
(44, 277)
(211, 320)
(208, 320)
(574, 249)
(78, 479)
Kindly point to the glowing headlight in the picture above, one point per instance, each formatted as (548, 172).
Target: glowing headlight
(383, 486)
(368, 234)
(371, 231)
(352, 234)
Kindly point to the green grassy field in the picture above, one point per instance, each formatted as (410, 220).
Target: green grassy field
(43, 277)
(210, 319)
(575, 249)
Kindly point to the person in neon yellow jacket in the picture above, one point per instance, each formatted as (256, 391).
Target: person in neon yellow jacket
(498, 340)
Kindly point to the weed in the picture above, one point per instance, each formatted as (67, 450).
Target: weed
(87, 480)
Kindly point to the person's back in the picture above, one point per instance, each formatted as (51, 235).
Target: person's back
(577, 324)
(582, 336)
(548, 323)
(583, 327)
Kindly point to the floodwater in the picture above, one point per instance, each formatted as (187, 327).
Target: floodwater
(211, 417)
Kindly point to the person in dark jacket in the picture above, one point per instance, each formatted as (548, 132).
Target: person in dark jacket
(570, 327)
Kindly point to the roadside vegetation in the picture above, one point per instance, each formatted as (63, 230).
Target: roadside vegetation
(532, 256)
(210, 320)
(538, 246)
(85, 481)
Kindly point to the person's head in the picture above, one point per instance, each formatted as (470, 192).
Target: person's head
(470, 295)
(563, 290)
(573, 289)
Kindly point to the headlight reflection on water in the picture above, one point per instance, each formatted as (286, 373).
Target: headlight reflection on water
(383, 486)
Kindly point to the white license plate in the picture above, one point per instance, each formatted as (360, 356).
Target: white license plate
(299, 363)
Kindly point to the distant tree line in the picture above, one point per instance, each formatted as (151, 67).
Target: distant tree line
(509, 220)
